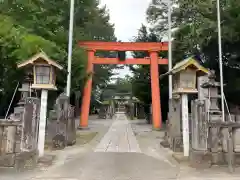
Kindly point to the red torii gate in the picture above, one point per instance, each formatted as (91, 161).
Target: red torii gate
(153, 61)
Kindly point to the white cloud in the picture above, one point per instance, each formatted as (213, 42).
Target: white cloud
(127, 15)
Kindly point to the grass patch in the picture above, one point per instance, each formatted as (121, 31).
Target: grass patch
(48, 146)
(81, 137)
(85, 137)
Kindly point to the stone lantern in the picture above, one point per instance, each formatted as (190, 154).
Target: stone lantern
(25, 92)
(26, 86)
(44, 79)
(213, 96)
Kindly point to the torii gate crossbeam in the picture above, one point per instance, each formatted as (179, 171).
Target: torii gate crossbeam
(153, 61)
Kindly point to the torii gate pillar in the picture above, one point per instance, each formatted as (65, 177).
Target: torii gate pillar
(87, 92)
(156, 105)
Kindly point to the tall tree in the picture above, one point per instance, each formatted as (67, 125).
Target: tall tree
(195, 33)
(28, 27)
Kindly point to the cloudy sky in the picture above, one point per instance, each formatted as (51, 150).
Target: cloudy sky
(127, 16)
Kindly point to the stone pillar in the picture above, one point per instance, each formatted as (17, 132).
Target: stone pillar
(202, 92)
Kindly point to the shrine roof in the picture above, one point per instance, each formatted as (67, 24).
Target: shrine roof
(186, 63)
(38, 56)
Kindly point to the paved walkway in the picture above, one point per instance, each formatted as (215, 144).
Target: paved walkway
(119, 138)
(117, 156)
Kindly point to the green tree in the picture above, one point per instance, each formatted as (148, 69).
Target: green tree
(195, 33)
(17, 44)
(27, 28)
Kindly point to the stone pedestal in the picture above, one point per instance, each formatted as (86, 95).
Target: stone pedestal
(200, 159)
(174, 126)
(177, 144)
(19, 161)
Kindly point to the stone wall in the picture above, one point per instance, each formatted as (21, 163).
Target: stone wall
(18, 136)
(214, 142)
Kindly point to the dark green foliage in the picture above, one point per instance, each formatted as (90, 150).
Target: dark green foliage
(30, 26)
(195, 33)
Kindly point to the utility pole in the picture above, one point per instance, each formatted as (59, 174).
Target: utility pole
(170, 47)
(220, 58)
(70, 39)
(169, 7)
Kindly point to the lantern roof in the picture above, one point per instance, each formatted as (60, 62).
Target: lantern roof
(41, 55)
(190, 62)
(106, 102)
(100, 102)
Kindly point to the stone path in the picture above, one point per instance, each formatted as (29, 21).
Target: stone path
(119, 138)
(117, 156)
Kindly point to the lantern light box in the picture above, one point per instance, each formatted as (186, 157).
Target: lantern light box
(44, 71)
(185, 75)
